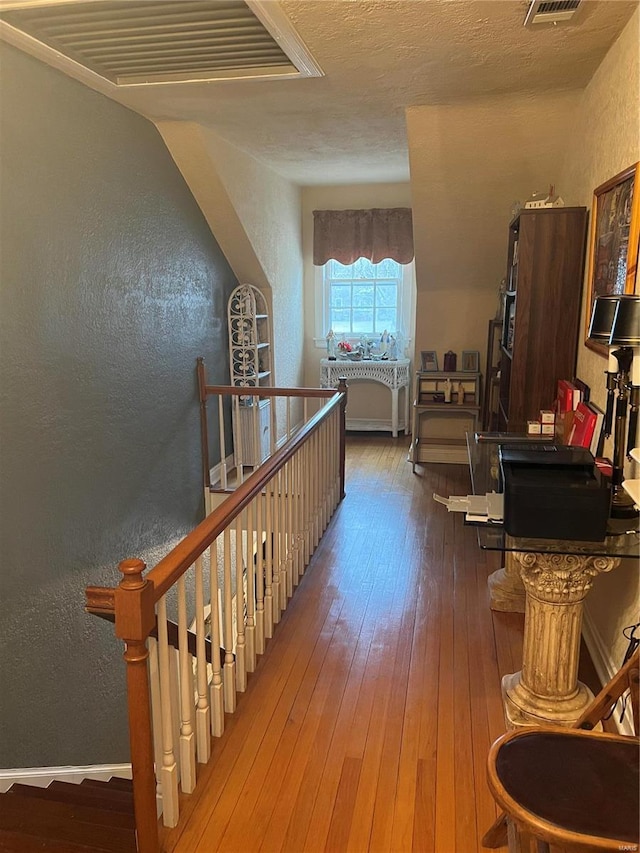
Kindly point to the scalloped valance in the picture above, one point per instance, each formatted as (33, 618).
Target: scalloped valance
(376, 234)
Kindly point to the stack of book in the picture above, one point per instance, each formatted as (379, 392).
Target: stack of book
(586, 427)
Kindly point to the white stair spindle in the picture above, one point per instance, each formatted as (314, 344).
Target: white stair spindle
(288, 515)
(217, 697)
(156, 711)
(187, 734)
(250, 633)
(275, 584)
(241, 649)
(223, 442)
(229, 669)
(268, 563)
(203, 710)
(169, 769)
(259, 581)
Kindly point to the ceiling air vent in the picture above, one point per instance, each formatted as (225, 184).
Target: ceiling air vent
(551, 11)
(137, 42)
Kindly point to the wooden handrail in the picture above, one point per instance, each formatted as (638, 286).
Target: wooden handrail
(167, 572)
(267, 391)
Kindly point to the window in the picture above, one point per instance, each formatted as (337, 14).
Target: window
(363, 298)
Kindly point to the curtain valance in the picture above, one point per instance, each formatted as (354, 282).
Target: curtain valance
(376, 234)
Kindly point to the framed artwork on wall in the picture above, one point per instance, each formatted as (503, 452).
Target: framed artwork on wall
(428, 360)
(470, 361)
(613, 241)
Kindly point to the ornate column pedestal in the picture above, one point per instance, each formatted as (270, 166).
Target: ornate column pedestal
(505, 587)
(547, 689)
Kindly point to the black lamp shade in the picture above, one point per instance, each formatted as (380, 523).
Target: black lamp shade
(602, 317)
(625, 330)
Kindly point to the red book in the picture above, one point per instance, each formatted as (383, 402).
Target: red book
(584, 424)
(568, 396)
(567, 399)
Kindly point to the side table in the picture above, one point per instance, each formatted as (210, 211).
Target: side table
(557, 576)
(393, 374)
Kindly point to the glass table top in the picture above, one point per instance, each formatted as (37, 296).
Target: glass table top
(622, 540)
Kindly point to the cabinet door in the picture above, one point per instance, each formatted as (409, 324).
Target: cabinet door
(256, 417)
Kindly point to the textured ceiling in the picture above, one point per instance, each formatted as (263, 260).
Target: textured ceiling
(378, 57)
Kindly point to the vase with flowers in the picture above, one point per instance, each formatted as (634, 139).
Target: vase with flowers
(344, 347)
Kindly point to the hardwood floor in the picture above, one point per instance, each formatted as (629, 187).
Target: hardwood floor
(368, 720)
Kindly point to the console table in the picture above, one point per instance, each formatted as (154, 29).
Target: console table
(393, 374)
(556, 576)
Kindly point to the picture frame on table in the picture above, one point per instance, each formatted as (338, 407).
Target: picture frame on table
(613, 242)
(470, 361)
(428, 361)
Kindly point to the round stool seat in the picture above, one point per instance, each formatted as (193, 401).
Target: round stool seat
(575, 780)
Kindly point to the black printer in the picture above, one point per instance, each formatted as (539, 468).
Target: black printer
(553, 492)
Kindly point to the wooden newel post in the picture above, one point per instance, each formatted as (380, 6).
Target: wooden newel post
(342, 388)
(135, 618)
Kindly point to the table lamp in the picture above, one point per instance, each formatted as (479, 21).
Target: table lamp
(615, 321)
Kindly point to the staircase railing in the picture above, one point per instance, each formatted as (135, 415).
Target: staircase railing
(227, 581)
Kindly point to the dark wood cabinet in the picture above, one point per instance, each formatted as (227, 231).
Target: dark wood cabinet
(539, 336)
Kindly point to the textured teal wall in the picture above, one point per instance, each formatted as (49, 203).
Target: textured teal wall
(111, 285)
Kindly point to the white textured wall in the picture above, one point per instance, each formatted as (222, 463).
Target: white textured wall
(366, 400)
(257, 217)
(469, 163)
(606, 139)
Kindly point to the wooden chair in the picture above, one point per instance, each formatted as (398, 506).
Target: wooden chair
(571, 787)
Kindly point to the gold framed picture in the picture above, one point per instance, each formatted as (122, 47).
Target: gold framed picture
(613, 242)
(428, 361)
(470, 361)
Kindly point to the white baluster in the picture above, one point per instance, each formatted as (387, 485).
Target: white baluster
(288, 516)
(241, 649)
(169, 771)
(275, 584)
(324, 466)
(268, 565)
(306, 501)
(223, 443)
(229, 669)
(217, 698)
(156, 711)
(187, 734)
(273, 432)
(238, 446)
(282, 543)
(174, 681)
(203, 710)
(259, 577)
(251, 587)
(257, 444)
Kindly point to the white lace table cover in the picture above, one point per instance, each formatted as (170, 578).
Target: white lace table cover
(393, 374)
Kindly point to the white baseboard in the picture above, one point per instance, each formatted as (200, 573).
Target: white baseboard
(443, 453)
(215, 473)
(605, 667)
(369, 425)
(41, 777)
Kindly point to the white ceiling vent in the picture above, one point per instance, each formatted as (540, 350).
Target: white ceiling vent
(141, 42)
(551, 11)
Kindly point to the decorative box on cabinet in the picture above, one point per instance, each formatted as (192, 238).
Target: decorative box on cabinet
(542, 310)
(250, 365)
(440, 427)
